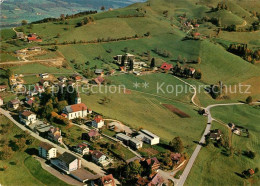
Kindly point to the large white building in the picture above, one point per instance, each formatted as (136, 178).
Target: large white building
(148, 137)
(47, 151)
(76, 111)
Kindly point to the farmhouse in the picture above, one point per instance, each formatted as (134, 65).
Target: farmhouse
(166, 66)
(20, 35)
(67, 162)
(3, 88)
(27, 117)
(215, 134)
(76, 111)
(47, 151)
(98, 122)
(54, 134)
(44, 75)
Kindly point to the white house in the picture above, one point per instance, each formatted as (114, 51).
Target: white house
(98, 122)
(27, 117)
(1, 101)
(47, 151)
(98, 157)
(14, 104)
(76, 111)
(82, 149)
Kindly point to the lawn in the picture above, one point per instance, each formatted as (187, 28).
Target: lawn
(215, 168)
(21, 167)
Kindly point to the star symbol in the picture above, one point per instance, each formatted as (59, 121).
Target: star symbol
(136, 85)
(145, 85)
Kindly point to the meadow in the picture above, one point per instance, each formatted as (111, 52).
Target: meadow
(212, 165)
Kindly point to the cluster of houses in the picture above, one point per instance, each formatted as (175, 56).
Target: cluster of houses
(166, 67)
(136, 142)
(30, 37)
(72, 165)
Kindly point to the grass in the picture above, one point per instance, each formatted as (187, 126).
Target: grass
(22, 168)
(211, 165)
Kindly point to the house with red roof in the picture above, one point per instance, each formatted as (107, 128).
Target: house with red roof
(166, 66)
(152, 163)
(79, 110)
(98, 122)
(33, 38)
(107, 180)
(81, 148)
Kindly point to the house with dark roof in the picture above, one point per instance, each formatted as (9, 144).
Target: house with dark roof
(3, 88)
(76, 111)
(14, 104)
(98, 157)
(27, 117)
(215, 134)
(47, 151)
(67, 162)
(152, 164)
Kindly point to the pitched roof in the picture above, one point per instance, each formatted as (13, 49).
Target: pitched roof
(166, 66)
(46, 146)
(76, 107)
(157, 180)
(108, 179)
(98, 118)
(93, 133)
(97, 154)
(67, 157)
(152, 161)
(15, 101)
(3, 86)
(27, 113)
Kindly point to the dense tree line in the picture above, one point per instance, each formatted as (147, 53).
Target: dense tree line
(243, 51)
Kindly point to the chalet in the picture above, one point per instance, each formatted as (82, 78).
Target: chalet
(47, 151)
(152, 163)
(76, 111)
(33, 38)
(91, 135)
(54, 134)
(98, 122)
(166, 67)
(98, 157)
(14, 104)
(27, 117)
(148, 137)
(67, 162)
(135, 143)
(107, 180)
(124, 138)
(81, 149)
(1, 101)
(3, 88)
(44, 75)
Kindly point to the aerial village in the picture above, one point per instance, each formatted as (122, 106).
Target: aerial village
(90, 160)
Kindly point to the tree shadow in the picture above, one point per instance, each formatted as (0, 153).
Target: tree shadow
(31, 151)
(240, 175)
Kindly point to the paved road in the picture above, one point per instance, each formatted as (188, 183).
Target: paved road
(85, 163)
(192, 159)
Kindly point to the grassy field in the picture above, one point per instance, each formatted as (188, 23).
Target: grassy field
(215, 168)
(22, 168)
